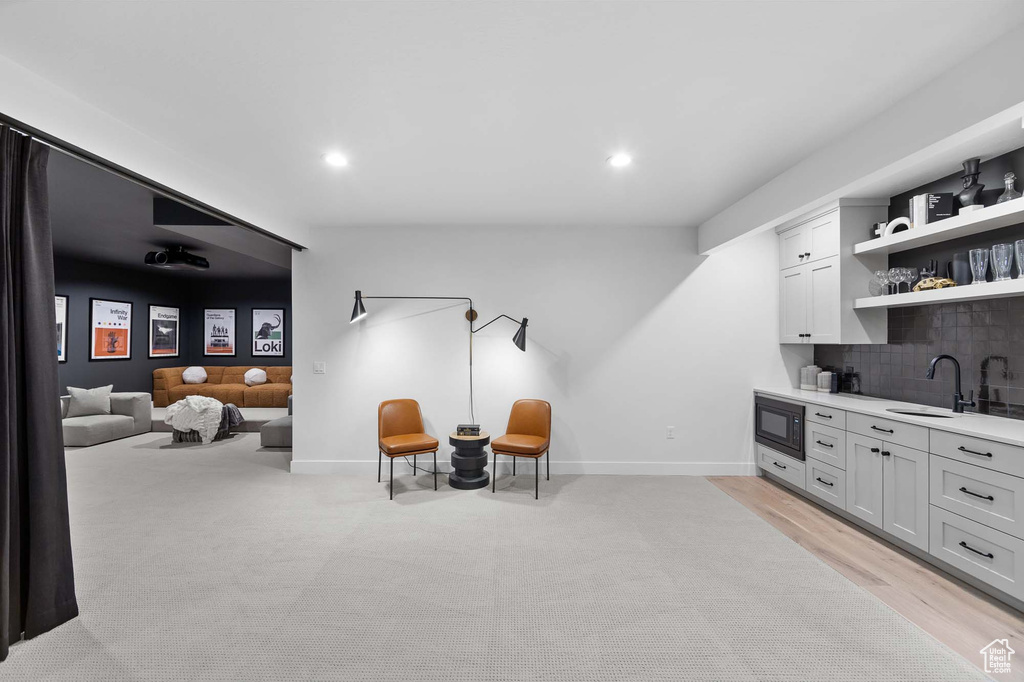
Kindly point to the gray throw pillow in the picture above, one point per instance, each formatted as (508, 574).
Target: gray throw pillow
(89, 401)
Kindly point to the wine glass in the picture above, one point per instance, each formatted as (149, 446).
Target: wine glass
(910, 277)
(1019, 248)
(895, 279)
(883, 280)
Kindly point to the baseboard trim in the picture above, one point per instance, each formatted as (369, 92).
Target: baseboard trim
(369, 467)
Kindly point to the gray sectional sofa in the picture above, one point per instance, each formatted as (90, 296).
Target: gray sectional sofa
(130, 414)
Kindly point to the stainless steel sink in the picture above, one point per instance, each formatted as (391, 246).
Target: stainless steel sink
(922, 413)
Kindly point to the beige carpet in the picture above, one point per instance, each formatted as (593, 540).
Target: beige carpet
(213, 563)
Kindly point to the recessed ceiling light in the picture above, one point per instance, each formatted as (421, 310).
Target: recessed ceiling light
(619, 160)
(336, 159)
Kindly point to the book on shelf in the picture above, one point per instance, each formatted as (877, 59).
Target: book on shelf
(930, 208)
(940, 206)
(919, 210)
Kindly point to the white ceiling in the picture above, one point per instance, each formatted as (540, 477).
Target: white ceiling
(496, 113)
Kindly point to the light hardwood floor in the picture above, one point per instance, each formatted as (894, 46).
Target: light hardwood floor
(956, 614)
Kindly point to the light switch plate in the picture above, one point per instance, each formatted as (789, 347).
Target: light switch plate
(670, 432)
(319, 368)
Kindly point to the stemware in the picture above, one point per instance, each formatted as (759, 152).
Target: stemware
(979, 265)
(1002, 262)
(910, 276)
(895, 277)
(882, 276)
(1019, 246)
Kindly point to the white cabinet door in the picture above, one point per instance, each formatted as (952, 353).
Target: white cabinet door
(792, 247)
(823, 301)
(822, 240)
(864, 478)
(905, 493)
(793, 306)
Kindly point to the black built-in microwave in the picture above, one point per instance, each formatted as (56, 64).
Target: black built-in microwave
(779, 425)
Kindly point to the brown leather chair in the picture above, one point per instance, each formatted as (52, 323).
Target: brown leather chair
(528, 435)
(400, 434)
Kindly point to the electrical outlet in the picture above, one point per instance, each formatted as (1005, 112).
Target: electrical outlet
(670, 432)
(319, 368)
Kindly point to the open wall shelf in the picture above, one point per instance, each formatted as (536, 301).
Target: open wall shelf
(983, 220)
(969, 292)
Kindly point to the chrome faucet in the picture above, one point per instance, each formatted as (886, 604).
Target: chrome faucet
(958, 398)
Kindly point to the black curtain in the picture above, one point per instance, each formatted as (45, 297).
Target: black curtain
(37, 582)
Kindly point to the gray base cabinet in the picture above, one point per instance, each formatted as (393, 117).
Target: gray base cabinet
(905, 494)
(954, 500)
(864, 478)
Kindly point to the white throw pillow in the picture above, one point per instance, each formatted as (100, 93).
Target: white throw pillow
(194, 375)
(255, 377)
(89, 401)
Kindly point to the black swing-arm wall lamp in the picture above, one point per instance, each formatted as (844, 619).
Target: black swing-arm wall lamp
(359, 312)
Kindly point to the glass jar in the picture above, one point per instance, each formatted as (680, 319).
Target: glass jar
(1010, 194)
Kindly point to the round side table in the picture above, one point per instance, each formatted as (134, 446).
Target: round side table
(469, 461)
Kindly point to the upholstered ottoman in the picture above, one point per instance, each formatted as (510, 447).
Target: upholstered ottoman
(277, 433)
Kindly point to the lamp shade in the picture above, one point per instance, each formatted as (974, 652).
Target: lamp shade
(520, 338)
(358, 311)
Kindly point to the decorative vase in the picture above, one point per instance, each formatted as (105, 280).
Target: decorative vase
(1011, 193)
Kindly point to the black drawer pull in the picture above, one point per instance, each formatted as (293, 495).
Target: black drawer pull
(974, 452)
(988, 555)
(781, 466)
(877, 428)
(825, 482)
(824, 416)
(984, 497)
(875, 449)
(886, 453)
(827, 445)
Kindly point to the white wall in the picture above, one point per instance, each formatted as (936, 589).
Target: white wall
(630, 332)
(35, 101)
(979, 87)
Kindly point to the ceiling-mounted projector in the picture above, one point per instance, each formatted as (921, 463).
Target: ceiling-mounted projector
(176, 258)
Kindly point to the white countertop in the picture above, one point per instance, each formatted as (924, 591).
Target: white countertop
(1002, 429)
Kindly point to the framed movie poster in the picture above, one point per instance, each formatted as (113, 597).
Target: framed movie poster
(268, 332)
(219, 331)
(62, 327)
(110, 330)
(164, 329)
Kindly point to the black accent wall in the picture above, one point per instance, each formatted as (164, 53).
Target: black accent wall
(986, 337)
(82, 280)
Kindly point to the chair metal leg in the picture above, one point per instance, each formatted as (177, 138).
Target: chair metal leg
(391, 480)
(378, 465)
(414, 465)
(435, 469)
(536, 481)
(514, 458)
(547, 456)
(494, 473)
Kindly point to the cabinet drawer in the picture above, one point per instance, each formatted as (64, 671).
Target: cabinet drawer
(984, 453)
(787, 468)
(827, 416)
(911, 435)
(825, 444)
(827, 482)
(985, 553)
(983, 495)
